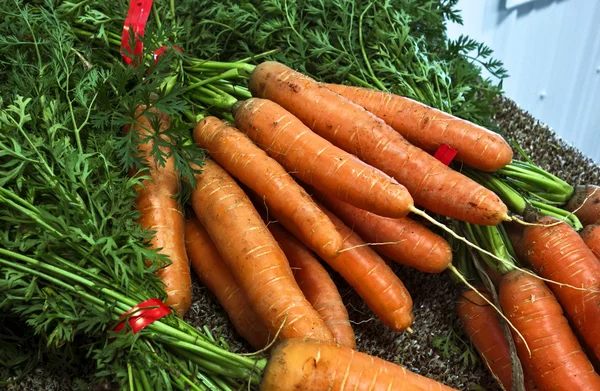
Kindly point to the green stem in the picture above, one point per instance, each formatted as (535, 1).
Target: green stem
(364, 53)
(230, 74)
(200, 65)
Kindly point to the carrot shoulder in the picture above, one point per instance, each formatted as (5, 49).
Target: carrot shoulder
(214, 274)
(591, 237)
(317, 285)
(557, 361)
(318, 162)
(428, 128)
(253, 256)
(298, 364)
(432, 184)
(237, 154)
(161, 212)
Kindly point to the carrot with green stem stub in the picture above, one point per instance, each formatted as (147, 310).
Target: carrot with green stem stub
(253, 256)
(428, 128)
(318, 162)
(235, 152)
(317, 285)
(214, 274)
(432, 184)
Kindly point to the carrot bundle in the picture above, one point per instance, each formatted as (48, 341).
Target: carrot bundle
(253, 256)
(317, 286)
(428, 128)
(214, 274)
(318, 162)
(350, 127)
(585, 203)
(556, 360)
(161, 212)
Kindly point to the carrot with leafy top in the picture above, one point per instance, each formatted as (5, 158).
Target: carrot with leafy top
(235, 152)
(428, 128)
(253, 256)
(432, 184)
(214, 274)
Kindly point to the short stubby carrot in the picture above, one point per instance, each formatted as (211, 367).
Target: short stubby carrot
(235, 152)
(302, 364)
(345, 124)
(253, 256)
(318, 162)
(557, 361)
(214, 274)
(591, 237)
(585, 202)
(559, 254)
(482, 325)
(160, 212)
(317, 285)
(428, 128)
(411, 244)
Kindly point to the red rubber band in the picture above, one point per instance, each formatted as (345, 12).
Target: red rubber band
(143, 314)
(445, 154)
(136, 19)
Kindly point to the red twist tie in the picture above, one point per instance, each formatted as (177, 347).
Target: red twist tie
(143, 316)
(445, 154)
(136, 19)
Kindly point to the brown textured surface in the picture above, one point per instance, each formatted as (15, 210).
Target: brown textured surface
(433, 295)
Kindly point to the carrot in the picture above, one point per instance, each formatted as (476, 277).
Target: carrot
(317, 285)
(414, 245)
(432, 184)
(235, 152)
(591, 237)
(585, 201)
(302, 364)
(214, 274)
(559, 254)
(160, 212)
(557, 361)
(253, 256)
(482, 325)
(318, 162)
(428, 128)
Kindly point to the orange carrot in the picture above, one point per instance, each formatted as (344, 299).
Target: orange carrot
(310, 365)
(482, 325)
(214, 274)
(160, 212)
(585, 201)
(557, 361)
(318, 162)
(253, 256)
(559, 254)
(432, 184)
(591, 237)
(428, 128)
(417, 246)
(237, 154)
(317, 285)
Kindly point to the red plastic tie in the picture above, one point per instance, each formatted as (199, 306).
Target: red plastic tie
(445, 154)
(136, 19)
(161, 50)
(143, 314)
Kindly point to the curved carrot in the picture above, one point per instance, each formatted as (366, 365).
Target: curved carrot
(417, 246)
(585, 201)
(432, 184)
(235, 152)
(428, 128)
(214, 274)
(482, 325)
(298, 364)
(559, 254)
(160, 212)
(591, 237)
(253, 256)
(318, 162)
(557, 361)
(317, 286)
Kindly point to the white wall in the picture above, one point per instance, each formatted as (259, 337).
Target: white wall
(551, 49)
